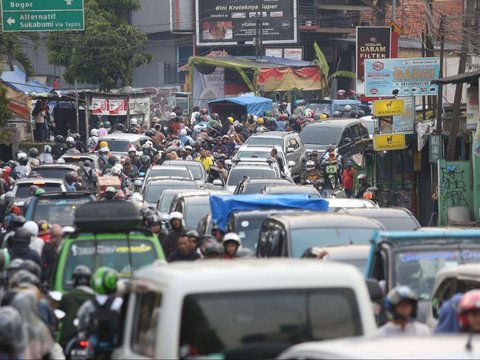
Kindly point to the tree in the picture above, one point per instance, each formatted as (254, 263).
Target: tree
(322, 63)
(107, 52)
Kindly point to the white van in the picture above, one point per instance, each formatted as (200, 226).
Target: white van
(242, 308)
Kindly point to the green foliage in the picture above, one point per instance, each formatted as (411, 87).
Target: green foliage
(5, 113)
(12, 52)
(107, 52)
(343, 73)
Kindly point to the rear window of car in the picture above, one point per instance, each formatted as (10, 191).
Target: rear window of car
(237, 174)
(255, 140)
(320, 135)
(53, 173)
(153, 191)
(118, 145)
(114, 253)
(398, 223)
(261, 324)
(58, 211)
(178, 172)
(22, 190)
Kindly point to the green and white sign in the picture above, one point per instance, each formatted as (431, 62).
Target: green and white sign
(43, 15)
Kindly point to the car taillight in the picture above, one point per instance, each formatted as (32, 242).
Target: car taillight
(83, 343)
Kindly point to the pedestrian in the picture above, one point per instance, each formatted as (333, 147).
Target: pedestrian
(39, 114)
(347, 179)
(184, 250)
(401, 306)
(434, 216)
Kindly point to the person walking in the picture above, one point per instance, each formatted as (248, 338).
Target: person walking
(347, 179)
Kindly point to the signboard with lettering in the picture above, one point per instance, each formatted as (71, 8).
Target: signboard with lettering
(403, 77)
(435, 148)
(373, 42)
(383, 142)
(42, 15)
(388, 107)
(232, 22)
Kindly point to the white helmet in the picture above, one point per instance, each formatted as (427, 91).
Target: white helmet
(22, 155)
(232, 237)
(94, 132)
(61, 161)
(348, 108)
(172, 115)
(176, 215)
(133, 121)
(116, 171)
(70, 140)
(183, 132)
(148, 144)
(47, 149)
(361, 177)
(310, 165)
(137, 199)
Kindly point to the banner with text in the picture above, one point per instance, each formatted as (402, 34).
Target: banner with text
(372, 43)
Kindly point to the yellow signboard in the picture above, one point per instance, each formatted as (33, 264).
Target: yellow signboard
(388, 107)
(382, 142)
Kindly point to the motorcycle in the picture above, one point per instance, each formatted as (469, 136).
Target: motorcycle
(331, 170)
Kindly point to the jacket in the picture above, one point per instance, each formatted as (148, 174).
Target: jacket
(169, 244)
(21, 250)
(176, 256)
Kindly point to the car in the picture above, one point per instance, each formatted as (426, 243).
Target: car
(392, 347)
(193, 205)
(167, 171)
(448, 282)
(165, 200)
(290, 235)
(155, 186)
(255, 186)
(345, 203)
(348, 136)
(21, 188)
(290, 189)
(289, 142)
(356, 255)
(413, 258)
(55, 171)
(100, 239)
(393, 219)
(195, 167)
(119, 143)
(330, 106)
(252, 170)
(57, 207)
(241, 309)
(78, 159)
(263, 153)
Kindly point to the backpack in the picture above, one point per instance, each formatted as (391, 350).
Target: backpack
(103, 329)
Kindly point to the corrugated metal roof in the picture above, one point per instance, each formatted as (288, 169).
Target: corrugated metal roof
(460, 78)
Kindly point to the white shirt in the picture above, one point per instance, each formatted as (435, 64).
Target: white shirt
(412, 328)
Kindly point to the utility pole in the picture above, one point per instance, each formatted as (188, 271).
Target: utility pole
(441, 32)
(455, 122)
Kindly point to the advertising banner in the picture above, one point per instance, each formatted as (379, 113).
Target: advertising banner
(208, 87)
(406, 122)
(403, 77)
(384, 142)
(113, 107)
(230, 22)
(373, 42)
(388, 107)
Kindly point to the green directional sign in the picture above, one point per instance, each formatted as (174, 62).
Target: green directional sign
(42, 15)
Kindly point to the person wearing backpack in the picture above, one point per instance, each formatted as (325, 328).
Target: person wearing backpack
(99, 318)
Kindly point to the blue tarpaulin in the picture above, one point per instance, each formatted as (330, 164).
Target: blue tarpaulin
(255, 105)
(223, 205)
(17, 80)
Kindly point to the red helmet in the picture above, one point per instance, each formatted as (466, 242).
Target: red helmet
(469, 302)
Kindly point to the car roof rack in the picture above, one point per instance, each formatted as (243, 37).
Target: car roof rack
(108, 216)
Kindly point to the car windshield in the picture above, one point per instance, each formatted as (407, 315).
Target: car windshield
(320, 135)
(171, 172)
(114, 253)
(304, 238)
(397, 223)
(58, 211)
(341, 107)
(53, 173)
(262, 324)
(264, 141)
(237, 174)
(153, 192)
(118, 145)
(23, 189)
(418, 268)
(249, 229)
(320, 108)
(247, 154)
(195, 210)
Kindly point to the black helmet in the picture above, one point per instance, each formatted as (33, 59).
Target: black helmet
(87, 163)
(119, 127)
(193, 233)
(14, 266)
(154, 219)
(106, 124)
(112, 160)
(33, 153)
(59, 139)
(145, 160)
(18, 222)
(22, 235)
(396, 295)
(213, 248)
(23, 277)
(81, 276)
(32, 267)
(70, 177)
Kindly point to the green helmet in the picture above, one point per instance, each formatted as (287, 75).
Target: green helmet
(104, 281)
(4, 260)
(39, 192)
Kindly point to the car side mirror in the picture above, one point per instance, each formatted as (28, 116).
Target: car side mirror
(374, 290)
(290, 150)
(228, 162)
(291, 164)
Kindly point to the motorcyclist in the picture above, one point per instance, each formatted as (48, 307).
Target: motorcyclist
(332, 171)
(20, 248)
(170, 243)
(184, 251)
(73, 300)
(469, 312)
(310, 174)
(401, 308)
(58, 149)
(364, 185)
(71, 149)
(22, 170)
(231, 243)
(260, 126)
(371, 194)
(46, 157)
(89, 177)
(93, 140)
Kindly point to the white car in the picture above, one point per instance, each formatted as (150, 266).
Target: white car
(262, 153)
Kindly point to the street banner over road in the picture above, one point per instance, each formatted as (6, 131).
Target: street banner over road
(42, 15)
(402, 77)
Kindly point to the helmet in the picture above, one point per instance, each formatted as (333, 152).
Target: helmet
(337, 113)
(341, 92)
(23, 277)
(104, 281)
(193, 233)
(87, 163)
(323, 116)
(172, 115)
(231, 120)
(347, 108)
(106, 124)
(469, 302)
(17, 223)
(116, 171)
(59, 139)
(395, 296)
(232, 237)
(310, 165)
(183, 132)
(133, 121)
(39, 192)
(361, 177)
(70, 141)
(260, 121)
(81, 276)
(22, 158)
(213, 248)
(148, 145)
(282, 117)
(70, 177)
(12, 330)
(308, 113)
(110, 189)
(32, 227)
(43, 227)
(4, 260)
(145, 160)
(32, 267)
(33, 152)
(103, 144)
(176, 215)
(94, 132)
(47, 149)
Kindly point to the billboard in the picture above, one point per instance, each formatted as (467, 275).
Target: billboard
(402, 77)
(232, 22)
(372, 43)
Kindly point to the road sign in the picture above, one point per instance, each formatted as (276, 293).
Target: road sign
(42, 15)
(382, 142)
(388, 107)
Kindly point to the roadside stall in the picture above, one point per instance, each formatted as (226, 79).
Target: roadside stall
(241, 105)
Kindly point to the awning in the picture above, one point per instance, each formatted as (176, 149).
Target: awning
(17, 80)
(255, 105)
(457, 79)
